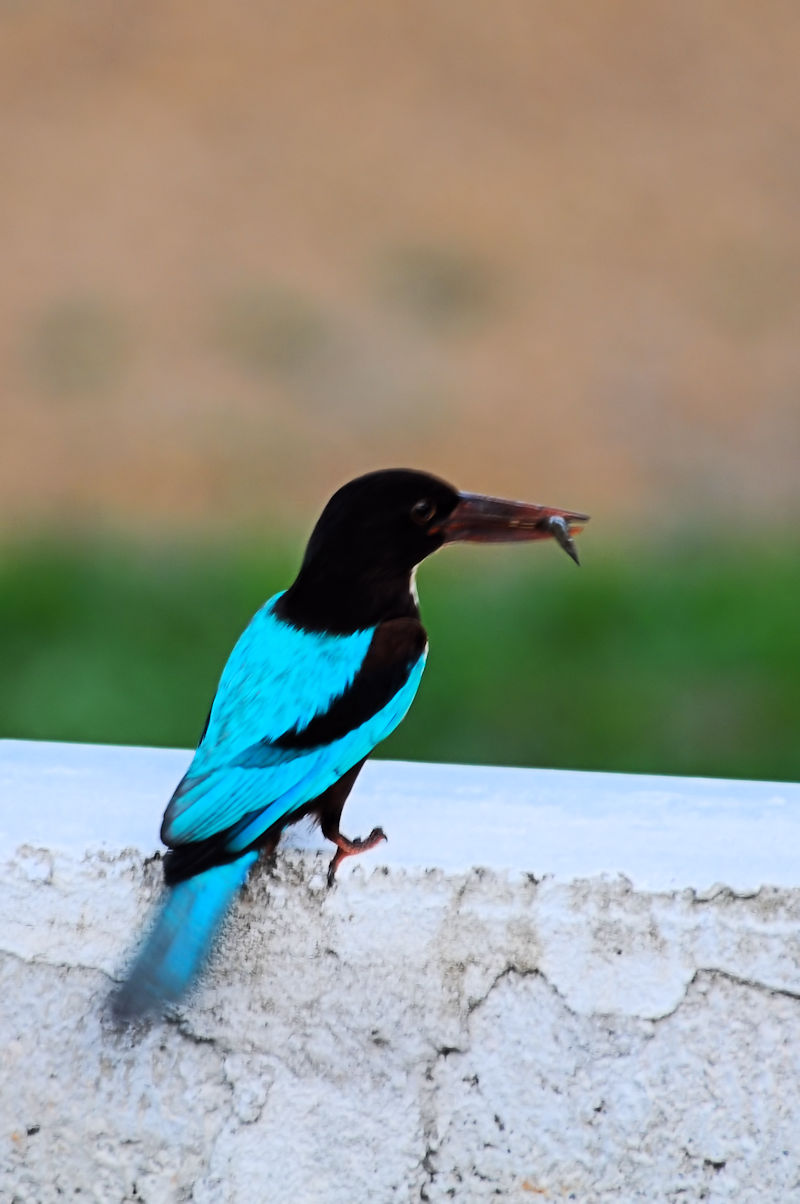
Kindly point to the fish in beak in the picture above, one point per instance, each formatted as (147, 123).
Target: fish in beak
(480, 519)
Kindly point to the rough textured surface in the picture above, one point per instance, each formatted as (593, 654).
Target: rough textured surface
(418, 1033)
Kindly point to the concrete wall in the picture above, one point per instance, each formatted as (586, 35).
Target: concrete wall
(545, 986)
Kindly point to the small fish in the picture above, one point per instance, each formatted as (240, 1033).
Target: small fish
(559, 529)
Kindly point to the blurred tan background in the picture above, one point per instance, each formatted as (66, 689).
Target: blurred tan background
(251, 249)
(551, 251)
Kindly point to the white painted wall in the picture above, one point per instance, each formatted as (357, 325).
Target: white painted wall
(549, 986)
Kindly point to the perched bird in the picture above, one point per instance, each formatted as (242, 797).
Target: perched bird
(324, 672)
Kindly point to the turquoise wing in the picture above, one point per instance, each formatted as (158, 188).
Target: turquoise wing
(277, 681)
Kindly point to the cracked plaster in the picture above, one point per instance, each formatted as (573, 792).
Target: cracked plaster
(420, 1032)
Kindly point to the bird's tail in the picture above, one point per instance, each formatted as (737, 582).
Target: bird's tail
(179, 943)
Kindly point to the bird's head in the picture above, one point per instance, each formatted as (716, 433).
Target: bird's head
(383, 522)
(377, 528)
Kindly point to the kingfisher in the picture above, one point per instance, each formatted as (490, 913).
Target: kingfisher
(324, 671)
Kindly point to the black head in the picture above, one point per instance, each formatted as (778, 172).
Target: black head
(385, 521)
(372, 533)
(357, 569)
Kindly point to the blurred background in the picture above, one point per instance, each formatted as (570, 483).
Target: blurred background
(250, 250)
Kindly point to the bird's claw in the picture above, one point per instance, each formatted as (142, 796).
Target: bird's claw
(375, 837)
(350, 848)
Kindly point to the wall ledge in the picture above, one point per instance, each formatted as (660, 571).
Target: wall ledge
(547, 984)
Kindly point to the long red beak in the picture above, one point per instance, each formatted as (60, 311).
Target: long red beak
(479, 519)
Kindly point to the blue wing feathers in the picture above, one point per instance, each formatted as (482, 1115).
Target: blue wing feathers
(327, 764)
(277, 680)
(277, 677)
(275, 785)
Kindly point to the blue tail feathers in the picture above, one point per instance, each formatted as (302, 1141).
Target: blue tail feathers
(181, 939)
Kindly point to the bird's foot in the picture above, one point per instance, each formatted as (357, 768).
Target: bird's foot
(349, 848)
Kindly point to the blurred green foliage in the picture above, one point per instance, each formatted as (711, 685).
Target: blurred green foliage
(682, 658)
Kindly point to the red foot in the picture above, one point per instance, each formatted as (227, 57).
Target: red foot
(349, 848)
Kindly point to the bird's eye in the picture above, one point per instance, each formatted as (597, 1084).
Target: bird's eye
(423, 510)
